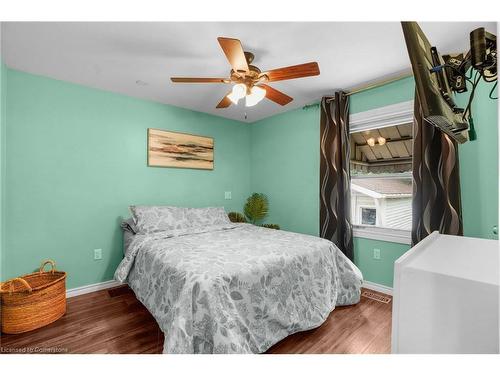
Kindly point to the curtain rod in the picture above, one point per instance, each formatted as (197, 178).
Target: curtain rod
(379, 83)
(369, 86)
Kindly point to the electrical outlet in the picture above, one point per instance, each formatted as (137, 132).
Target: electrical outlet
(97, 254)
(227, 195)
(376, 253)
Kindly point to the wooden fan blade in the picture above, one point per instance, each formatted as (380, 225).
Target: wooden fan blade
(225, 102)
(198, 80)
(234, 52)
(276, 95)
(292, 72)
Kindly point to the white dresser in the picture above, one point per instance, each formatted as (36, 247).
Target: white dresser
(446, 296)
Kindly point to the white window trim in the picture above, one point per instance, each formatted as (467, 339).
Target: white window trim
(382, 234)
(364, 191)
(391, 115)
(395, 114)
(385, 176)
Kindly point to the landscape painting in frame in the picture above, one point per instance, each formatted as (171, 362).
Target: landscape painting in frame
(179, 150)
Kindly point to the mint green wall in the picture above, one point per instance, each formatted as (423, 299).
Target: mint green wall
(3, 97)
(76, 159)
(392, 93)
(285, 166)
(381, 270)
(479, 167)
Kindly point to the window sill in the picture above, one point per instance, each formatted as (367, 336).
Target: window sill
(382, 234)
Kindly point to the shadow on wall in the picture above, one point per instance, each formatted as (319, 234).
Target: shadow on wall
(117, 245)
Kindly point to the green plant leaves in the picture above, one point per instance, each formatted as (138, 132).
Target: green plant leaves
(236, 217)
(256, 207)
(271, 226)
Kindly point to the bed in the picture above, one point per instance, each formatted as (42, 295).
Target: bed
(220, 287)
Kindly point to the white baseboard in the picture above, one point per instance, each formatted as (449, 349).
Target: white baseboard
(377, 287)
(91, 288)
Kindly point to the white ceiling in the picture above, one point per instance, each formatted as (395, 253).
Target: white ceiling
(113, 56)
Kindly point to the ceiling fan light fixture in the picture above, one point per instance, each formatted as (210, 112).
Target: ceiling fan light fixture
(255, 96)
(371, 142)
(245, 77)
(381, 141)
(238, 92)
(234, 99)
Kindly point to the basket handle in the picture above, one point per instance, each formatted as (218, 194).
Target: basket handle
(22, 281)
(48, 261)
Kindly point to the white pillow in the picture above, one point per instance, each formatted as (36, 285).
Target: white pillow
(151, 219)
(202, 217)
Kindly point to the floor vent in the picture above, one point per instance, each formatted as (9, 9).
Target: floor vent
(376, 297)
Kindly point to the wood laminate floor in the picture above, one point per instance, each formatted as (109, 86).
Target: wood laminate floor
(114, 321)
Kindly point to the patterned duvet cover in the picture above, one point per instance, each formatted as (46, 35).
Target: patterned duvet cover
(236, 288)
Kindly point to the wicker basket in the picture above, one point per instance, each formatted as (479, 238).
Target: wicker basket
(33, 301)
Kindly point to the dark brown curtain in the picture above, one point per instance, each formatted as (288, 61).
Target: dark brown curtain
(436, 181)
(335, 181)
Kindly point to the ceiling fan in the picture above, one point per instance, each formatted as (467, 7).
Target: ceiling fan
(249, 82)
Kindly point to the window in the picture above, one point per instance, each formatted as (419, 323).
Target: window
(381, 183)
(368, 216)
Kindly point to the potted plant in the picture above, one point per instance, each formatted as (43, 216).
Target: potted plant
(255, 210)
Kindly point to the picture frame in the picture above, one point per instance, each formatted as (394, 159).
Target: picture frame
(169, 149)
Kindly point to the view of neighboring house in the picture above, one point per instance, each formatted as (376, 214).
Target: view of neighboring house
(382, 202)
(381, 183)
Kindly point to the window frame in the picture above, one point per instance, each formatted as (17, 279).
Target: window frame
(382, 117)
(361, 215)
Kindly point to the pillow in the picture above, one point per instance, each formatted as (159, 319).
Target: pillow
(129, 226)
(202, 217)
(151, 219)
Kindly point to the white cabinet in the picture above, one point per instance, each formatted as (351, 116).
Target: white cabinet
(446, 296)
